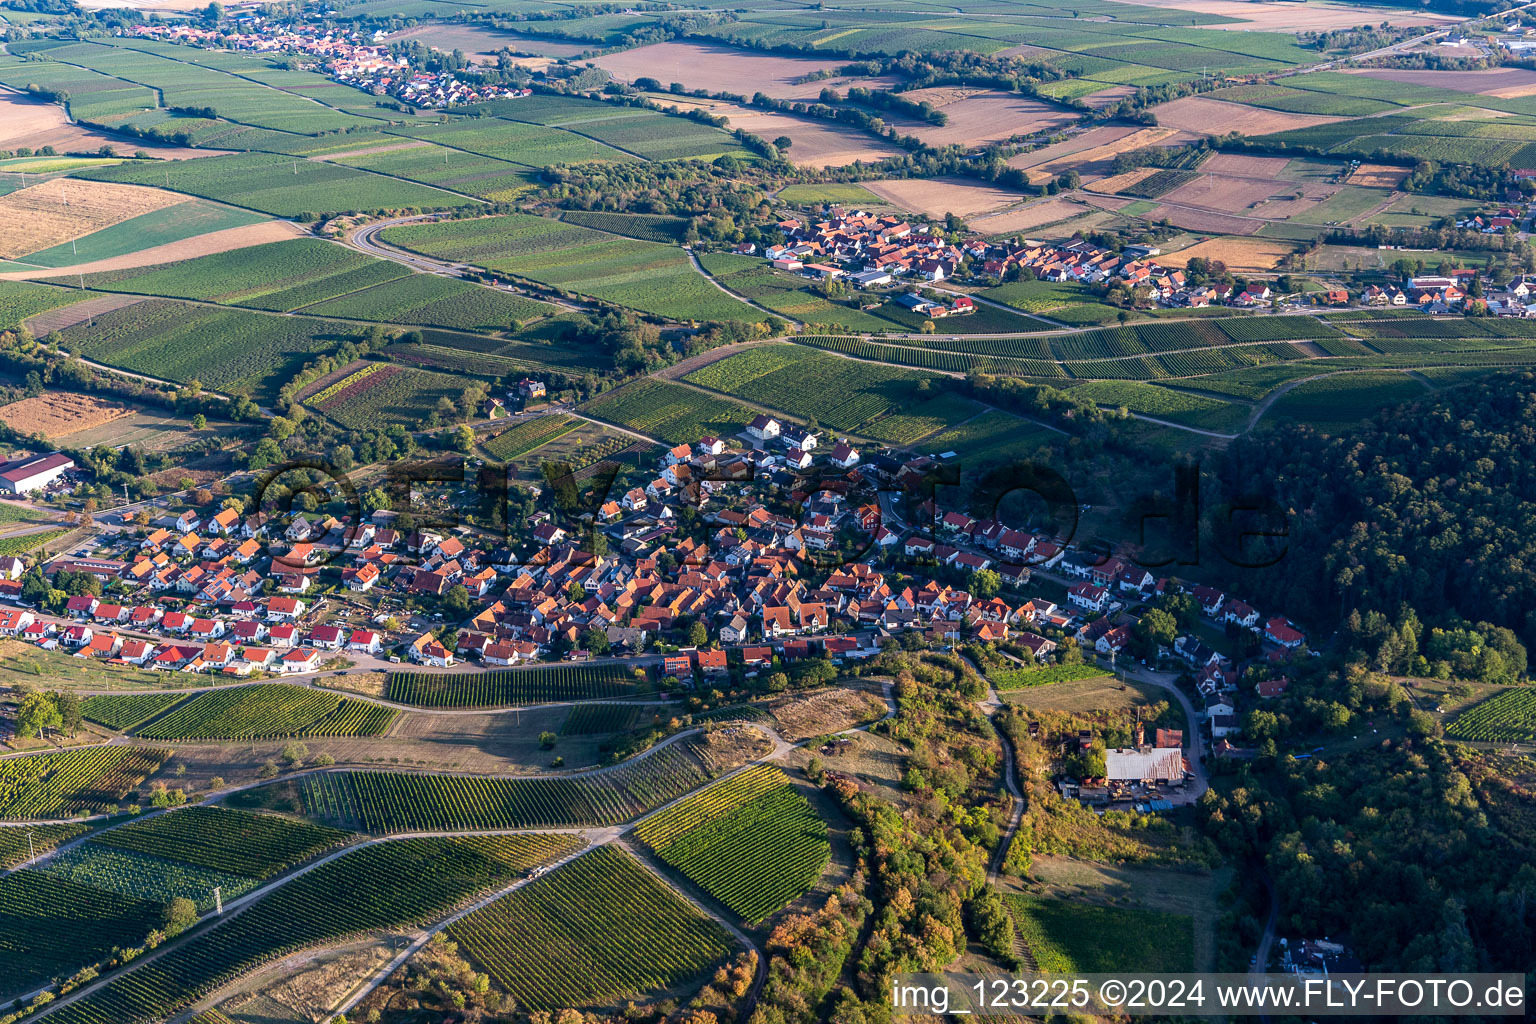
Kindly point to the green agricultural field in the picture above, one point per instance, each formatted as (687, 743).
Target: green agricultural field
(650, 227)
(383, 802)
(229, 350)
(753, 842)
(284, 187)
(531, 146)
(529, 436)
(270, 711)
(994, 435)
(143, 877)
(592, 719)
(670, 412)
(1508, 716)
(16, 845)
(844, 394)
(20, 300)
(123, 711)
(788, 296)
(550, 684)
(381, 394)
(1043, 675)
(159, 227)
(471, 173)
(635, 935)
(434, 301)
(647, 276)
(1073, 937)
(1345, 205)
(73, 781)
(831, 192)
(279, 276)
(1340, 400)
(1165, 404)
(356, 894)
(51, 926)
(237, 842)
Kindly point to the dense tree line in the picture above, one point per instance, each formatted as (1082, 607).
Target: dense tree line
(1431, 506)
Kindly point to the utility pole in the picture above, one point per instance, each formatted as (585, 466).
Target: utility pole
(218, 899)
(31, 850)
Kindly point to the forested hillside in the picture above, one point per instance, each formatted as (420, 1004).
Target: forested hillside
(1431, 506)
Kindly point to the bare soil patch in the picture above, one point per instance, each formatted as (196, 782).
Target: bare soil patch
(186, 249)
(61, 412)
(977, 118)
(813, 143)
(825, 712)
(1027, 218)
(1501, 82)
(1200, 115)
(373, 150)
(59, 209)
(1236, 253)
(935, 197)
(369, 684)
(67, 316)
(1294, 17)
(1378, 176)
(1092, 162)
(722, 69)
(732, 746)
(28, 121)
(1093, 138)
(1240, 165)
(1205, 222)
(1223, 194)
(306, 985)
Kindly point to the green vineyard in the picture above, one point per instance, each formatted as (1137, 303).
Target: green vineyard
(123, 711)
(507, 687)
(270, 711)
(1506, 717)
(753, 842)
(16, 845)
(255, 845)
(73, 781)
(518, 441)
(355, 893)
(50, 925)
(382, 802)
(593, 933)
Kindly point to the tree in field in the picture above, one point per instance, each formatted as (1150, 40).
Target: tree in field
(71, 714)
(547, 740)
(180, 914)
(37, 713)
(782, 143)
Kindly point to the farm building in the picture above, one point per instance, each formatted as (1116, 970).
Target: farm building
(1154, 765)
(23, 476)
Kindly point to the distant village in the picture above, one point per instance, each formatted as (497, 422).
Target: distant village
(346, 56)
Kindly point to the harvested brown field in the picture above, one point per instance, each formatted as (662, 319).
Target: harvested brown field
(481, 43)
(1223, 194)
(387, 147)
(1092, 162)
(815, 143)
(67, 316)
(1093, 138)
(1028, 218)
(60, 412)
(59, 209)
(1378, 176)
(1294, 17)
(825, 712)
(153, 431)
(934, 197)
(977, 118)
(1205, 222)
(1239, 165)
(1121, 182)
(722, 69)
(1200, 115)
(1113, 94)
(187, 248)
(1505, 83)
(1236, 253)
(28, 121)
